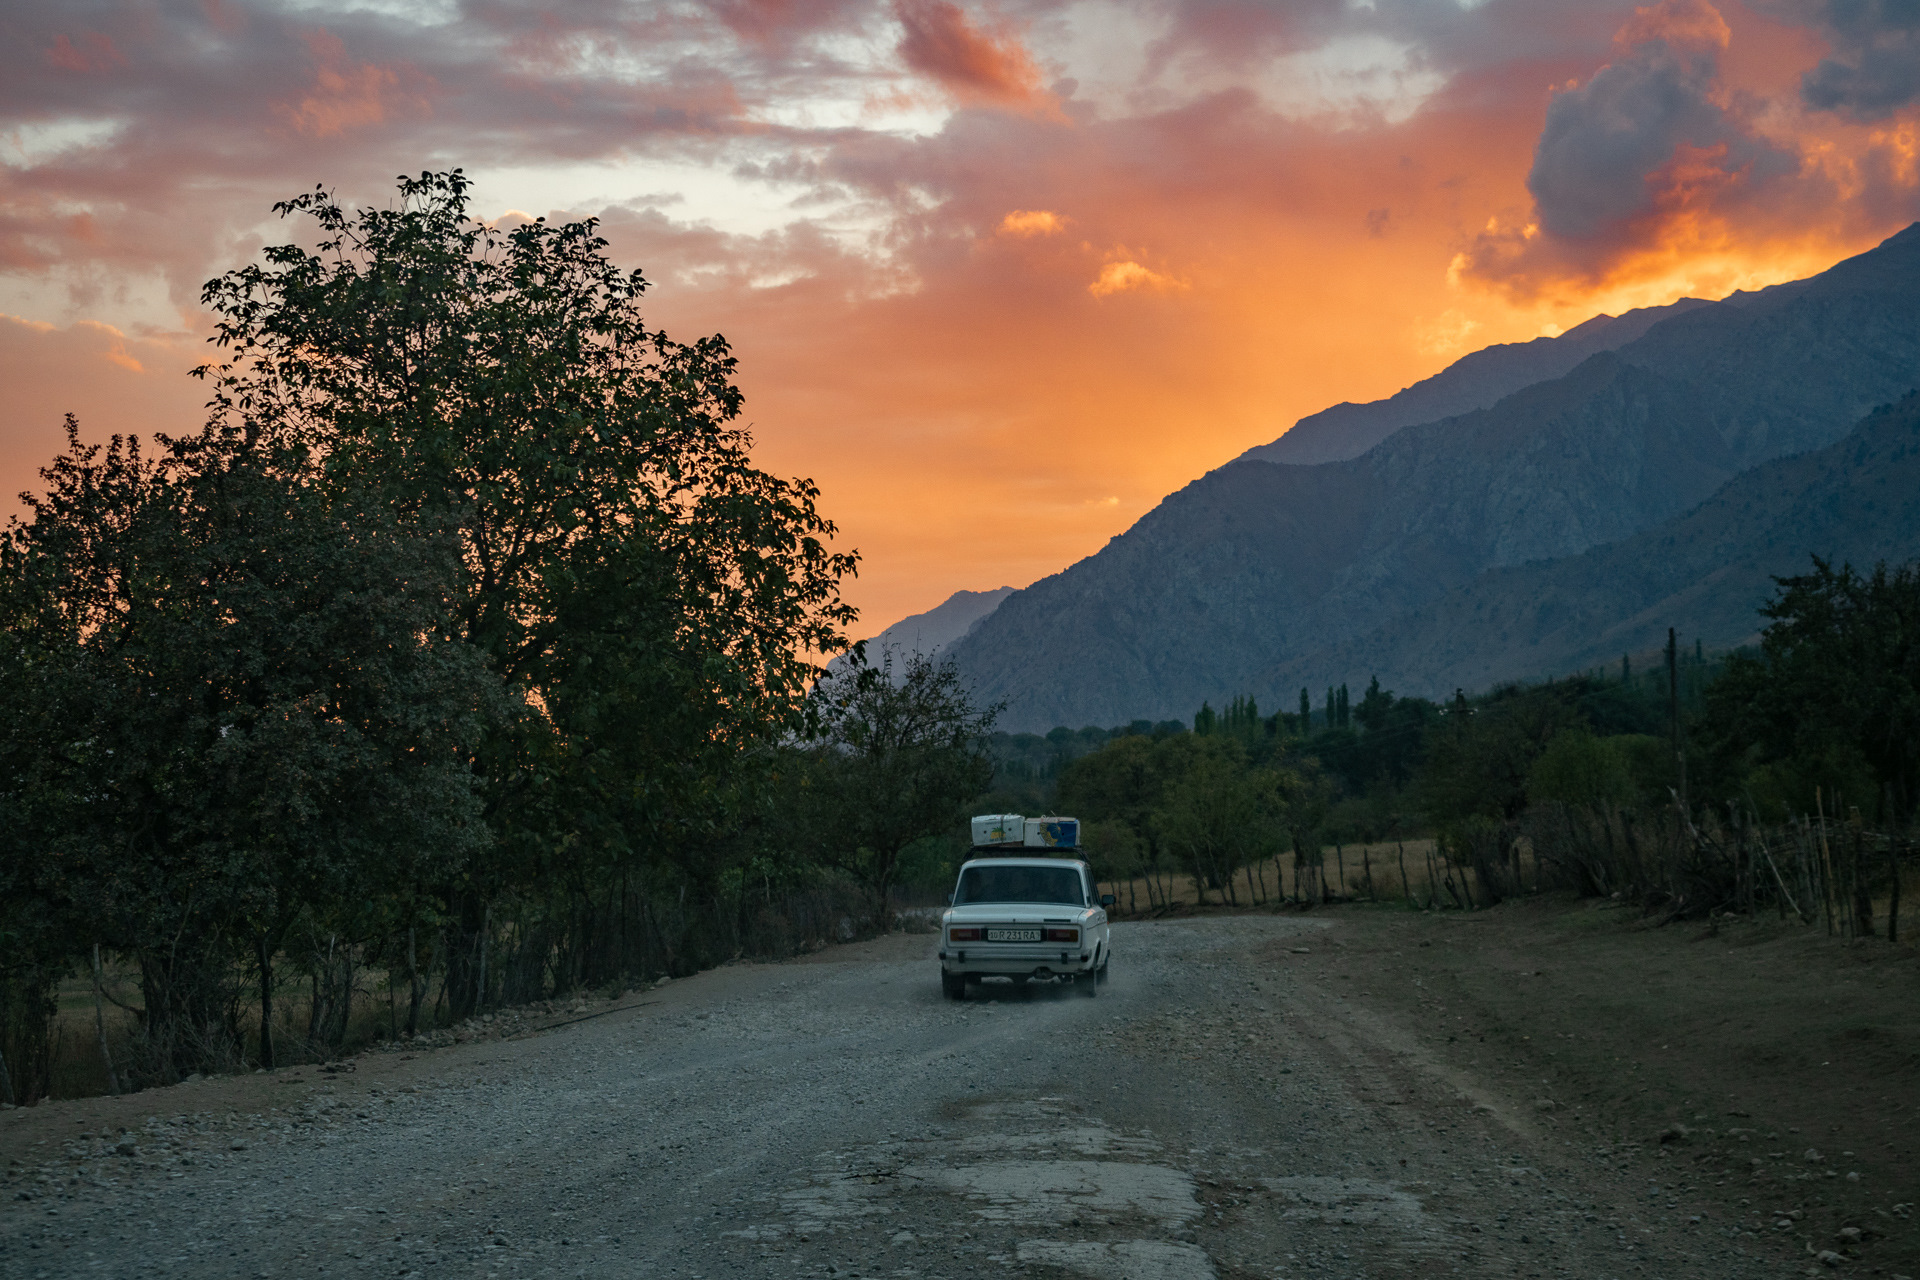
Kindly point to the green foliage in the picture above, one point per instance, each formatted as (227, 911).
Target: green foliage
(1479, 759)
(1203, 804)
(1217, 814)
(1576, 768)
(231, 697)
(899, 754)
(1588, 773)
(651, 593)
(1832, 700)
(1115, 848)
(466, 620)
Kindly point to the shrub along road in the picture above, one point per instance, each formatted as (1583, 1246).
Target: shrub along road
(1236, 1103)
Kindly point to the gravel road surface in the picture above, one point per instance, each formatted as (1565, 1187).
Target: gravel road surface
(1203, 1117)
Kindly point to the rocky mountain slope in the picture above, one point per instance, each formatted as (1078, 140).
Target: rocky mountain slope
(1706, 572)
(1475, 381)
(1233, 583)
(935, 629)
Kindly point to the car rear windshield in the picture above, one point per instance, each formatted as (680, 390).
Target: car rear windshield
(1020, 884)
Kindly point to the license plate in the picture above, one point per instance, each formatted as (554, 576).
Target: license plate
(1013, 935)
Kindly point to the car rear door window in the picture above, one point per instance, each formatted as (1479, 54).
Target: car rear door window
(1021, 884)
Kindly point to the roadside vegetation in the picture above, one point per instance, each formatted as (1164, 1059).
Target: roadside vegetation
(462, 657)
(1781, 779)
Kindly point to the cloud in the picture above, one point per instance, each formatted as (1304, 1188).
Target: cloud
(1874, 70)
(1128, 276)
(1691, 26)
(1608, 144)
(1654, 154)
(92, 52)
(783, 23)
(1032, 222)
(1448, 334)
(350, 95)
(977, 67)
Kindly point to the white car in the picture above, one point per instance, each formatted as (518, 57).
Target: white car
(1026, 919)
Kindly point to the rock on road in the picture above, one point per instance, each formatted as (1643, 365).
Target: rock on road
(1203, 1117)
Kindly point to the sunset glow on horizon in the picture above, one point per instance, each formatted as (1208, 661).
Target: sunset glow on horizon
(1000, 275)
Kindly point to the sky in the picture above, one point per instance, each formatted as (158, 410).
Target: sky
(1000, 275)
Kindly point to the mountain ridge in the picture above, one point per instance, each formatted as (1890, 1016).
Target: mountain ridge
(1255, 564)
(934, 629)
(1474, 381)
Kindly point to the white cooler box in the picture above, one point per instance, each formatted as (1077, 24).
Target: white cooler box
(998, 828)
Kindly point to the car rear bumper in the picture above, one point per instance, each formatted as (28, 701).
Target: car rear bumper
(991, 961)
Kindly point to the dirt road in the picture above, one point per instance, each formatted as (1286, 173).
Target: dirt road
(1206, 1116)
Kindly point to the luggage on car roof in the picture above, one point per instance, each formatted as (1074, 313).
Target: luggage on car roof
(1052, 833)
(998, 828)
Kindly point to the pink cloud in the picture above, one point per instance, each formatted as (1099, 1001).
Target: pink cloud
(94, 53)
(349, 95)
(977, 66)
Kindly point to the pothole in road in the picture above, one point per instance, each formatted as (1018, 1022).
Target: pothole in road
(1121, 1260)
(1035, 1185)
(1352, 1202)
(1095, 1192)
(1091, 1188)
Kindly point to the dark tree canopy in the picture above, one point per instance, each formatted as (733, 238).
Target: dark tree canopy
(1833, 697)
(467, 596)
(899, 755)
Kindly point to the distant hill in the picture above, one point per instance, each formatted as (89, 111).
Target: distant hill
(1475, 381)
(939, 626)
(1706, 573)
(1255, 573)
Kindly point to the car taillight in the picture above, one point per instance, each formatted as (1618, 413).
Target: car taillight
(963, 935)
(1062, 935)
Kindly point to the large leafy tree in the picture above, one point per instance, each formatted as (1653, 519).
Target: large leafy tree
(233, 701)
(654, 598)
(508, 378)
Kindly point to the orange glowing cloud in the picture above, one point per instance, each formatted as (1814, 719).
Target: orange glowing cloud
(1128, 276)
(1032, 222)
(1684, 24)
(977, 67)
(1651, 168)
(348, 95)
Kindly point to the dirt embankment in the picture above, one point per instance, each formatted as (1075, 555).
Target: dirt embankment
(1760, 1073)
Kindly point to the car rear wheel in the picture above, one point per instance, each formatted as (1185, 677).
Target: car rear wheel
(954, 985)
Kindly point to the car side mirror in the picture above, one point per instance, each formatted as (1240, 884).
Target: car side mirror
(1107, 899)
(949, 899)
